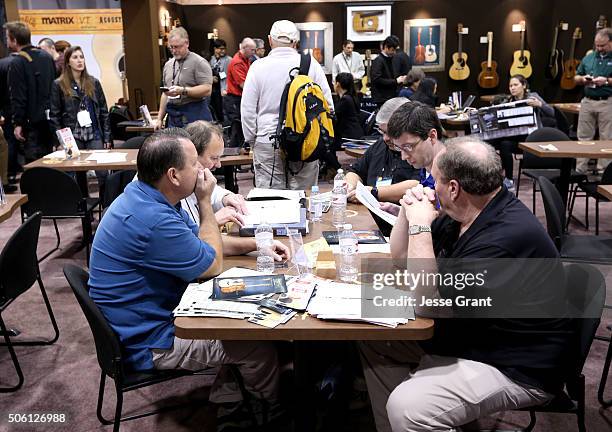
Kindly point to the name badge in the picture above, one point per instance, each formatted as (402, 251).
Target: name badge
(84, 118)
(222, 75)
(383, 181)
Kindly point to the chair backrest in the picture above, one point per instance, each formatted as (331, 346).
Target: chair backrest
(132, 143)
(52, 192)
(606, 177)
(115, 184)
(18, 260)
(108, 347)
(542, 135)
(116, 115)
(586, 293)
(554, 210)
(562, 123)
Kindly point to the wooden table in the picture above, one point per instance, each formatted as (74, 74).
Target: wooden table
(569, 150)
(605, 190)
(570, 108)
(355, 152)
(13, 202)
(81, 165)
(229, 163)
(303, 327)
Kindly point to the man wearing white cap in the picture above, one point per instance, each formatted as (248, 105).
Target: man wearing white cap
(260, 105)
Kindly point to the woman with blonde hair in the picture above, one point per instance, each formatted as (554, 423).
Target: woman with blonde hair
(78, 103)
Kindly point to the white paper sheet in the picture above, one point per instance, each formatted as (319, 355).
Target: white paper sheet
(367, 199)
(59, 154)
(268, 193)
(107, 157)
(366, 248)
(273, 212)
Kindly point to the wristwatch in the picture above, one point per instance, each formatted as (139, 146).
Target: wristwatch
(418, 229)
(374, 192)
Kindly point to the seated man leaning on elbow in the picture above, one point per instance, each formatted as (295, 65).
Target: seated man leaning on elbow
(208, 140)
(473, 366)
(381, 168)
(145, 252)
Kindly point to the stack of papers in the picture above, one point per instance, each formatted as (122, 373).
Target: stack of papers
(260, 193)
(196, 300)
(342, 301)
(273, 212)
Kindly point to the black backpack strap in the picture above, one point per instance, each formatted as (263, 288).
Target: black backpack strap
(304, 64)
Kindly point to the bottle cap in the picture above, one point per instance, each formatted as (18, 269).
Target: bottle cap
(340, 171)
(315, 188)
(348, 226)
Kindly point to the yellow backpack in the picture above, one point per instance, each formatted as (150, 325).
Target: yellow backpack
(305, 130)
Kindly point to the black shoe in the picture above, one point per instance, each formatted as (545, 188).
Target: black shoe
(9, 188)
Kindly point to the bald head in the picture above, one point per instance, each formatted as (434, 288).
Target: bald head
(472, 163)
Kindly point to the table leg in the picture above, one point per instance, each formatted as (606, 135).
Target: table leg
(81, 179)
(564, 178)
(230, 183)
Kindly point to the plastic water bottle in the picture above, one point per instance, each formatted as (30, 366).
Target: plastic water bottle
(264, 238)
(2, 195)
(338, 206)
(348, 248)
(340, 179)
(316, 205)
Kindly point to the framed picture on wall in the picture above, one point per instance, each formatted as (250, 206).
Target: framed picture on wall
(316, 39)
(368, 23)
(425, 42)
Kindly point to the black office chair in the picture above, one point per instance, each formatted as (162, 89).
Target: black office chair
(115, 184)
(577, 248)
(590, 190)
(533, 166)
(586, 289)
(110, 358)
(18, 272)
(562, 123)
(58, 196)
(116, 115)
(132, 143)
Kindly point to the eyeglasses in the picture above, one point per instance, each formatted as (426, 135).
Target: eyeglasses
(409, 147)
(379, 130)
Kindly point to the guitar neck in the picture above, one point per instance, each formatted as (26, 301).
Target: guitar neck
(572, 49)
(522, 43)
(554, 44)
(460, 51)
(490, 52)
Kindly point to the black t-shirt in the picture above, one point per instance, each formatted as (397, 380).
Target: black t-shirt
(380, 161)
(527, 350)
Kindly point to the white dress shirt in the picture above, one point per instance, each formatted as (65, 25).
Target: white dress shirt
(353, 65)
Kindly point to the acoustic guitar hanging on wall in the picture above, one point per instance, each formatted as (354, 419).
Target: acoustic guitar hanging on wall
(555, 58)
(459, 70)
(430, 49)
(419, 50)
(571, 64)
(365, 81)
(488, 77)
(522, 58)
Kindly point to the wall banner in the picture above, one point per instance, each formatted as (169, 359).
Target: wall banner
(73, 21)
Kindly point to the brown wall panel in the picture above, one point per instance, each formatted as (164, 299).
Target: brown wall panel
(238, 21)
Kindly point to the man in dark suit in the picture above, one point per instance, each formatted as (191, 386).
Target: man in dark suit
(384, 80)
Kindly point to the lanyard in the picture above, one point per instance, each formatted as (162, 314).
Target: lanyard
(349, 65)
(393, 164)
(176, 74)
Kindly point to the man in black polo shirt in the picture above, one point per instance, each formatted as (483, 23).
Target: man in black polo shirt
(472, 367)
(381, 168)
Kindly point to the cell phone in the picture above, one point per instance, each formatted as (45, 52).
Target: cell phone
(164, 89)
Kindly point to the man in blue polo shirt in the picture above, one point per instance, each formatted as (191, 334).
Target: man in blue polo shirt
(145, 252)
(472, 367)
(416, 131)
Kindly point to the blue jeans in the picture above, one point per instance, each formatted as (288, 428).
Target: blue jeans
(182, 115)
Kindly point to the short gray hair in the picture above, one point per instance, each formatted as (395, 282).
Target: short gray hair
(201, 133)
(478, 172)
(605, 32)
(178, 32)
(259, 43)
(388, 108)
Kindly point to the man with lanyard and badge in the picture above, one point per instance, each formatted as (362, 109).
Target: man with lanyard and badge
(415, 130)
(187, 83)
(348, 61)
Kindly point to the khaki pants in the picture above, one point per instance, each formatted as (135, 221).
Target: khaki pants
(442, 393)
(3, 159)
(265, 157)
(594, 115)
(256, 361)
